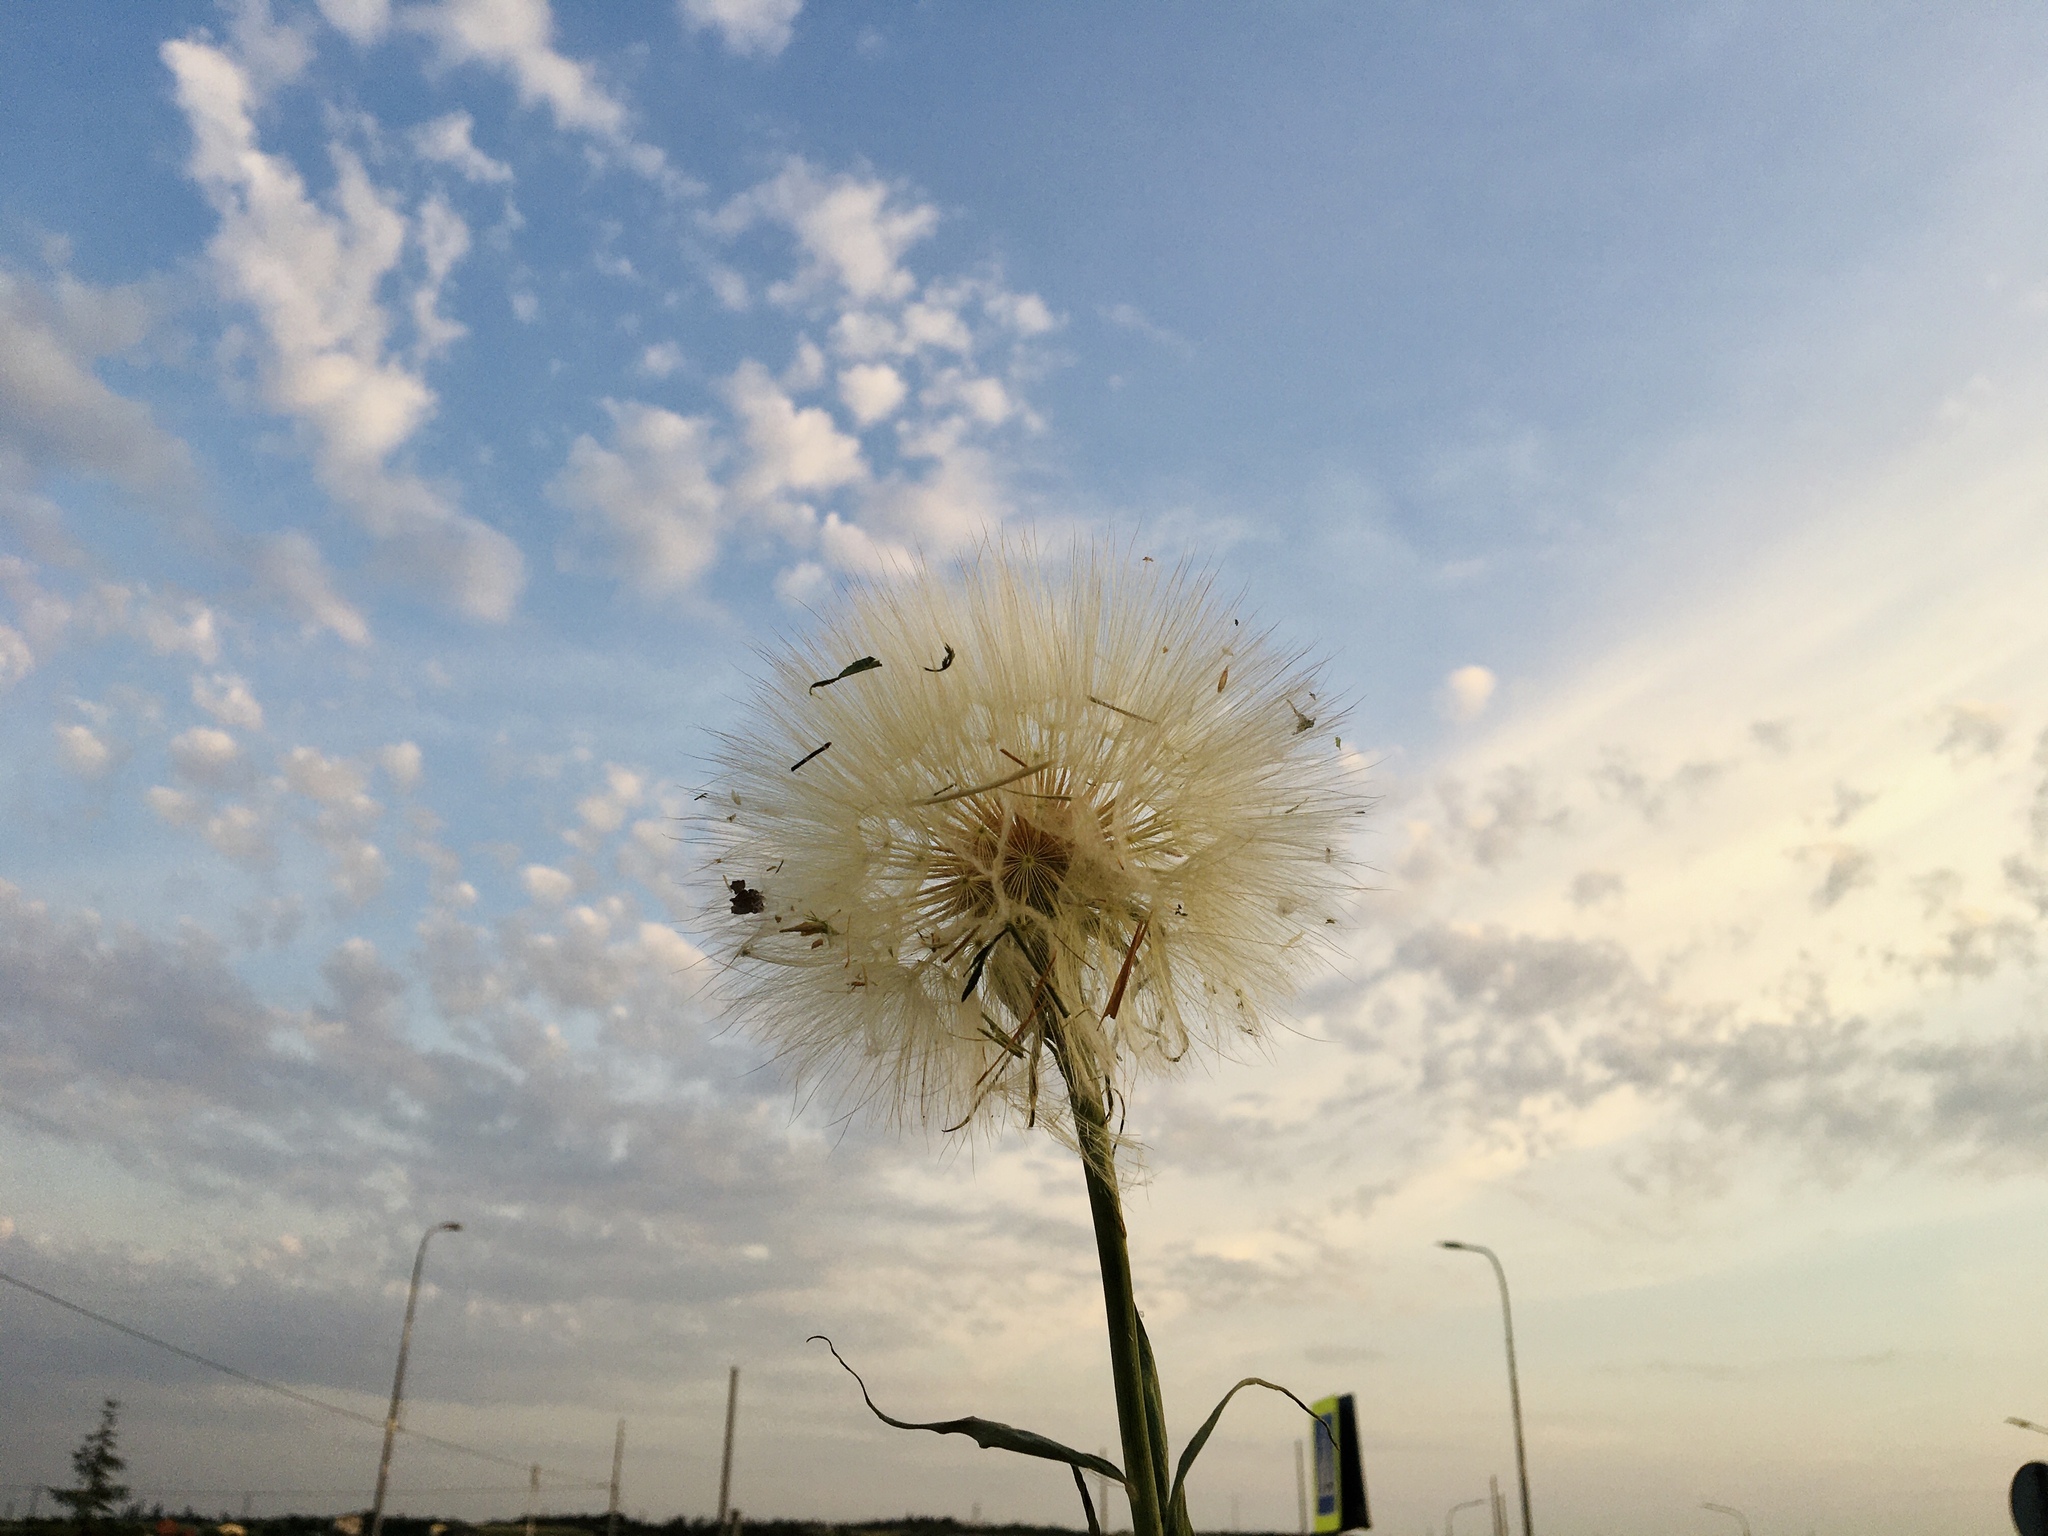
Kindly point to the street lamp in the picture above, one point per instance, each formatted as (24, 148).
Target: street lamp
(1730, 1509)
(412, 1298)
(1468, 1504)
(1514, 1382)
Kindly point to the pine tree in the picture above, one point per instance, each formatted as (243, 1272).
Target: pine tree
(94, 1464)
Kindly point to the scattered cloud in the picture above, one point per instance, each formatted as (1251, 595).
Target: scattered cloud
(1467, 692)
(852, 230)
(652, 493)
(446, 141)
(56, 415)
(871, 391)
(759, 28)
(84, 753)
(311, 275)
(227, 698)
(205, 754)
(1128, 317)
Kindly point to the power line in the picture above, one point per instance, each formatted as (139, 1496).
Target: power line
(282, 1391)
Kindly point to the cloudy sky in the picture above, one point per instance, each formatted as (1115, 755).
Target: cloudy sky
(414, 412)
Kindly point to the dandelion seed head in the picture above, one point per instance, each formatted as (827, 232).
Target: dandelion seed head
(1099, 816)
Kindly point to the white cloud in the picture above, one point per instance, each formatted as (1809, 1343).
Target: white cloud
(745, 26)
(446, 141)
(443, 240)
(1024, 313)
(806, 370)
(516, 37)
(83, 751)
(312, 277)
(333, 781)
(16, 659)
(359, 872)
(227, 698)
(364, 21)
(850, 229)
(241, 834)
(803, 583)
(605, 812)
(55, 414)
(205, 754)
(1130, 318)
(789, 448)
(546, 884)
(172, 805)
(935, 325)
(178, 626)
(652, 492)
(872, 391)
(401, 764)
(1467, 692)
(290, 570)
(661, 359)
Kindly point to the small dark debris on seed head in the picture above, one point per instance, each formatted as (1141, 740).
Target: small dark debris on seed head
(745, 903)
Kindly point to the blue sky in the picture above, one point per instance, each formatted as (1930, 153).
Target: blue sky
(412, 415)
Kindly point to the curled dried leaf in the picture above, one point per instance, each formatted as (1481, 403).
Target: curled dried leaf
(865, 664)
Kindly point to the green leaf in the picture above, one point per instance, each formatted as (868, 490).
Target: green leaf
(1087, 1504)
(986, 1433)
(865, 664)
(1172, 1506)
(1194, 1449)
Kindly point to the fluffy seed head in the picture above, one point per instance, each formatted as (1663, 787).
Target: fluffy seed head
(1080, 799)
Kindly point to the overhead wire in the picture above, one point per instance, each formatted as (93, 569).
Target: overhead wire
(560, 1479)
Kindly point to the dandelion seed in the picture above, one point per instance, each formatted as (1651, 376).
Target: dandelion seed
(1097, 788)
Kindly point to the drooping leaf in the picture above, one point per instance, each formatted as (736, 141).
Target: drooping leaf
(865, 664)
(1201, 1437)
(987, 1433)
(1087, 1504)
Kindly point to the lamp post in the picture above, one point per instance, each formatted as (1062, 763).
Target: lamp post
(1514, 1381)
(412, 1298)
(1730, 1509)
(1468, 1504)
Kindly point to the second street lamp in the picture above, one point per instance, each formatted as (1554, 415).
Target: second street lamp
(412, 1300)
(1514, 1382)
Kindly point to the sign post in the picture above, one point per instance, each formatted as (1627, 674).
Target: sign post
(2030, 1499)
(1340, 1475)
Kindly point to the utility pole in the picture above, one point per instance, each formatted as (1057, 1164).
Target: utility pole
(732, 1409)
(532, 1495)
(611, 1517)
(1301, 1485)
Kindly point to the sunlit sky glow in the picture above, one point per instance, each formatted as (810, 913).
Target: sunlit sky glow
(412, 414)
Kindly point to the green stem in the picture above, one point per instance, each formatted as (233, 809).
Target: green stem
(1098, 1166)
